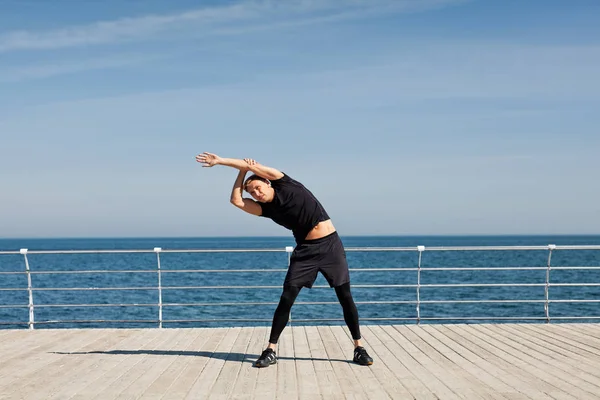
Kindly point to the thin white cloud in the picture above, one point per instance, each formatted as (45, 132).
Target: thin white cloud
(49, 70)
(212, 20)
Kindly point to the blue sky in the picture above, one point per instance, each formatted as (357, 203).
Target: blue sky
(405, 117)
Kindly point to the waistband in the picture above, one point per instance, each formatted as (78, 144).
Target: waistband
(319, 240)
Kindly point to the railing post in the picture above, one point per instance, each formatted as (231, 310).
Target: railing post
(157, 250)
(289, 250)
(547, 303)
(29, 289)
(420, 249)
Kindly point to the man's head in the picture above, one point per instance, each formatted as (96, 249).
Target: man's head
(259, 188)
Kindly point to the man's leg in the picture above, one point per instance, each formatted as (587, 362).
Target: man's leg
(280, 320)
(344, 295)
(350, 312)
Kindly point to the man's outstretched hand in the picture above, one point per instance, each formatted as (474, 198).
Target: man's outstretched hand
(208, 159)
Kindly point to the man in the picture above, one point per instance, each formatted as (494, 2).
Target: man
(318, 247)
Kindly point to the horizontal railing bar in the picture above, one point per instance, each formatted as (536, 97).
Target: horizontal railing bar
(98, 271)
(508, 284)
(498, 268)
(361, 249)
(108, 271)
(220, 320)
(167, 271)
(574, 284)
(482, 318)
(575, 301)
(90, 288)
(204, 287)
(323, 286)
(475, 248)
(98, 321)
(91, 271)
(96, 305)
(275, 302)
(15, 306)
(300, 303)
(114, 251)
(365, 286)
(306, 320)
(580, 317)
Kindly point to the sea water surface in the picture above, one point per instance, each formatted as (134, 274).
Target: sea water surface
(49, 315)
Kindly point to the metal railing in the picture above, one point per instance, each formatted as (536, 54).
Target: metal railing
(418, 302)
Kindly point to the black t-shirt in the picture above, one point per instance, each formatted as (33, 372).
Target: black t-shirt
(294, 207)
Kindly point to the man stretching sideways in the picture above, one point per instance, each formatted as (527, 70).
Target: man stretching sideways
(318, 247)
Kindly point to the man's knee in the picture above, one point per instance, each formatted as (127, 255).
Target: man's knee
(289, 295)
(343, 293)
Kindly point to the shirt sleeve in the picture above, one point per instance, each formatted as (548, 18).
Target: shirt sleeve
(266, 210)
(281, 181)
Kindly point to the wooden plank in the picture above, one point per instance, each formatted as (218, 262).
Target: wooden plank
(85, 365)
(266, 381)
(87, 377)
(345, 375)
(155, 362)
(373, 384)
(135, 359)
(559, 365)
(287, 376)
(525, 361)
(419, 363)
(31, 343)
(397, 359)
(572, 352)
(573, 338)
(110, 363)
(386, 366)
(226, 380)
(42, 370)
(308, 386)
(515, 383)
(206, 379)
(364, 374)
(27, 339)
(170, 381)
(164, 370)
(462, 381)
(246, 382)
(592, 330)
(524, 380)
(565, 359)
(327, 382)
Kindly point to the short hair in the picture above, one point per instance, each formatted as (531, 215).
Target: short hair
(255, 177)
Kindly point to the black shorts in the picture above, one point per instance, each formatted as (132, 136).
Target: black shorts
(326, 255)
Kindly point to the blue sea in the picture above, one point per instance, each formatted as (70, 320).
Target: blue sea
(57, 308)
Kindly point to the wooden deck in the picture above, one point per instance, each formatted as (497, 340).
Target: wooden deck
(505, 361)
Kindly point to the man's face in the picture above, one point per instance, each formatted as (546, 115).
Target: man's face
(260, 191)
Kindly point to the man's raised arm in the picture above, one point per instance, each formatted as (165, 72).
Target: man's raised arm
(262, 170)
(248, 205)
(209, 160)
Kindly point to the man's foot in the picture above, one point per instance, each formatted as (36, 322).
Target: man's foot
(266, 358)
(361, 356)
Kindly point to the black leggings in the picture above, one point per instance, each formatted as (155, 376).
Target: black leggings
(282, 313)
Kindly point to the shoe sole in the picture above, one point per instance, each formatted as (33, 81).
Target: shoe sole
(265, 366)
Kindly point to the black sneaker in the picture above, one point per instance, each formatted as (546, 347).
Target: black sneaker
(266, 358)
(361, 356)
